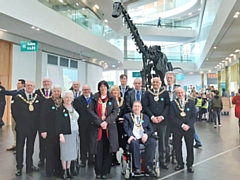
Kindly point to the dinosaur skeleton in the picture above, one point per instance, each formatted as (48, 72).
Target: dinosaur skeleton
(153, 58)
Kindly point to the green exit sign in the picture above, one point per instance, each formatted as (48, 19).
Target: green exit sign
(136, 75)
(26, 46)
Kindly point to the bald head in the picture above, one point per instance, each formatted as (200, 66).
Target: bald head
(76, 86)
(180, 92)
(47, 83)
(86, 90)
(156, 83)
(137, 83)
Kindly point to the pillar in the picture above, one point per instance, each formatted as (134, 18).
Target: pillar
(202, 80)
(219, 80)
(227, 79)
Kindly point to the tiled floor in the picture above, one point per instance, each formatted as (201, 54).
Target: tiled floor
(218, 159)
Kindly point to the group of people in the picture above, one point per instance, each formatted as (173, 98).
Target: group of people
(104, 121)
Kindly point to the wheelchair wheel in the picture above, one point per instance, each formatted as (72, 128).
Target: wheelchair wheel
(127, 174)
(157, 170)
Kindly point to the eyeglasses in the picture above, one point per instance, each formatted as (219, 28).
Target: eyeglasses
(29, 85)
(86, 89)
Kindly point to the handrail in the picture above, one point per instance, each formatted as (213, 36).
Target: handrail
(183, 27)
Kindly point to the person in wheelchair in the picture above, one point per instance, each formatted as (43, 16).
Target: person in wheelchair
(139, 129)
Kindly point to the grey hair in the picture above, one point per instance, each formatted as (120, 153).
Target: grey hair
(57, 86)
(67, 92)
(170, 72)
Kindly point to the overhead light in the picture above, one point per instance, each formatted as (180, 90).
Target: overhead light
(37, 29)
(118, 68)
(231, 55)
(190, 14)
(237, 50)
(199, 9)
(215, 47)
(190, 72)
(77, 4)
(83, 9)
(4, 30)
(33, 27)
(235, 16)
(105, 20)
(60, 1)
(207, 59)
(83, 60)
(223, 61)
(96, 6)
(113, 65)
(226, 58)
(237, 13)
(118, 61)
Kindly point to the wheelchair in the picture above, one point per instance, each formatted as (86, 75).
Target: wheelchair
(127, 163)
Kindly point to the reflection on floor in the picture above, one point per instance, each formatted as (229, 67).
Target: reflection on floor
(218, 159)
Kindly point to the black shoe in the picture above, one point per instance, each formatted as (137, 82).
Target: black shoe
(104, 176)
(164, 165)
(83, 164)
(197, 145)
(18, 172)
(98, 176)
(69, 174)
(190, 169)
(137, 171)
(150, 171)
(40, 163)
(179, 167)
(31, 169)
(64, 174)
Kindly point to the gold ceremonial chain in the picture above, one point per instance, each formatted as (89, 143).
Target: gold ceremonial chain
(57, 102)
(170, 93)
(139, 125)
(121, 102)
(104, 106)
(156, 95)
(46, 97)
(30, 107)
(183, 114)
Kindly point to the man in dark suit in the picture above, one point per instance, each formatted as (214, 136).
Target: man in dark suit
(156, 106)
(2, 105)
(76, 89)
(43, 93)
(139, 129)
(137, 94)
(182, 113)
(171, 87)
(124, 88)
(26, 111)
(20, 90)
(80, 104)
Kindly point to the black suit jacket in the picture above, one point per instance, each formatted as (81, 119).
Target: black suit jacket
(80, 105)
(131, 98)
(38, 91)
(157, 108)
(63, 125)
(177, 120)
(48, 121)
(13, 93)
(128, 89)
(26, 121)
(128, 125)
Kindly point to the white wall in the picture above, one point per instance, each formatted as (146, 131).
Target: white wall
(94, 75)
(23, 65)
(193, 79)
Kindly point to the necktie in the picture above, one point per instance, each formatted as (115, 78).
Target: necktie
(46, 93)
(138, 96)
(138, 120)
(170, 89)
(156, 92)
(87, 97)
(29, 97)
(123, 90)
(182, 103)
(76, 95)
